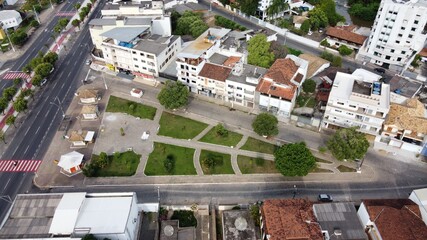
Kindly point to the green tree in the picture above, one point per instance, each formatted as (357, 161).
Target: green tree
(174, 19)
(34, 24)
(77, 6)
(278, 50)
(2, 136)
(35, 62)
(173, 95)
(9, 92)
(50, 57)
(103, 160)
(344, 50)
(318, 18)
(17, 82)
(325, 43)
(20, 105)
(169, 163)
(18, 37)
(76, 23)
(11, 120)
(254, 209)
(294, 159)
(259, 51)
(43, 69)
(337, 61)
(329, 8)
(3, 103)
(37, 80)
(364, 10)
(197, 28)
(220, 130)
(276, 7)
(248, 7)
(265, 124)
(305, 27)
(309, 86)
(348, 143)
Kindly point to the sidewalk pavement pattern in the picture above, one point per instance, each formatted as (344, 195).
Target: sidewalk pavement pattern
(109, 140)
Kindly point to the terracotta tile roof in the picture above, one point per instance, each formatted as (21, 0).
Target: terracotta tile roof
(348, 36)
(231, 61)
(397, 219)
(408, 116)
(268, 87)
(298, 78)
(215, 72)
(423, 52)
(282, 71)
(286, 219)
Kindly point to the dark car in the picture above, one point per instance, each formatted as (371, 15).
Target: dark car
(324, 198)
(380, 70)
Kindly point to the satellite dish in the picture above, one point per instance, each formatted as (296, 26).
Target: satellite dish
(168, 230)
(240, 224)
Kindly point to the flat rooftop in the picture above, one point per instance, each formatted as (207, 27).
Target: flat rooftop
(238, 225)
(342, 216)
(200, 45)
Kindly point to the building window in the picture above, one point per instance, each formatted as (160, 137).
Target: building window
(416, 22)
(402, 28)
(135, 59)
(143, 61)
(399, 59)
(142, 54)
(410, 36)
(392, 50)
(397, 41)
(387, 57)
(136, 66)
(239, 88)
(413, 29)
(403, 52)
(230, 86)
(352, 106)
(134, 52)
(193, 68)
(338, 111)
(399, 35)
(340, 103)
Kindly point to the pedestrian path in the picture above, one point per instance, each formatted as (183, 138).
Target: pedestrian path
(19, 165)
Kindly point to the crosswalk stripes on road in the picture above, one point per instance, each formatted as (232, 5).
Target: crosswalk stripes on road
(19, 165)
(12, 75)
(66, 13)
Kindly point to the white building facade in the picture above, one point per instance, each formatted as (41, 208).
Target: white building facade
(10, 19)
(398, 34)
(357, 100)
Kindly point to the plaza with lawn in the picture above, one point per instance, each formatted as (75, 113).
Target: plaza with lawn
(175, 126)
(116, 104)
(230, 139)
(180, 157)
(256, 145)
(119, 164)
(215, 163)
(251, 165)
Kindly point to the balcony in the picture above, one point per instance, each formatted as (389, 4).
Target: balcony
(191, 61)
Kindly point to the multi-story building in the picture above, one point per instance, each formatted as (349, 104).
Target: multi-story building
(398, 34)
(263, 5)
(281, 85)
(193, 58)
(357, 100)
(405, 129)
(129, 9)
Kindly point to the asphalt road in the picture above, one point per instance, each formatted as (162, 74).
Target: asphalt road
(35, 134)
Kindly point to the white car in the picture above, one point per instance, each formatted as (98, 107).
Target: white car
(136, 92)
(44, 81)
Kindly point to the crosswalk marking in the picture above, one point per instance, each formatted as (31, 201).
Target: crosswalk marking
(66, 13)
(19, 165)
(12, 75)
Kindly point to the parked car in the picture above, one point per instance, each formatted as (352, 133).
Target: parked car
(44, 81)
(324, 198)
(380, 70)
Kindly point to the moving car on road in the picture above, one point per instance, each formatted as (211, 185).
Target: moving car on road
(324, 198)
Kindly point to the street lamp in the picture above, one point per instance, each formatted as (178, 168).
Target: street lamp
(359, 168)
(7, 34)
(59, 105)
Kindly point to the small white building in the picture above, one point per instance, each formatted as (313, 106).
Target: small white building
(88, 96)
(70, 163)
(10, 19)
(90, 112)
(72, 216)
(357, 100)
(80, 138)
(281, 85)
(419, 196)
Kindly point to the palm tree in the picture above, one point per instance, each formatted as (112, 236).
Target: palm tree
(276, 7)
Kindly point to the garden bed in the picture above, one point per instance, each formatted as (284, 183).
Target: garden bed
(116, 104)
(175, 126)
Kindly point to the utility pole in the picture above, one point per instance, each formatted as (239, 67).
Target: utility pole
(37, 16)
(105, 83)
(7, 34)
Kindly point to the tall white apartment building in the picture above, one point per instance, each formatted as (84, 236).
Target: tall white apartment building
(357, 100)
(398, 34)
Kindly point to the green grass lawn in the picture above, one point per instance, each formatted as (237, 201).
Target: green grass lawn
(116, 104)
(311, 102)
(256, 145)
(175, 126)
(232, 138)
(321, 170)
(249, 165)
(343, 168)
(222, 163)
(322, 160)
(125, 165)
(183, 160)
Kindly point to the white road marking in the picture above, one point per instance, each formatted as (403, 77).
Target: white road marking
(6, 184)
(26, 149)
(38, 129)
